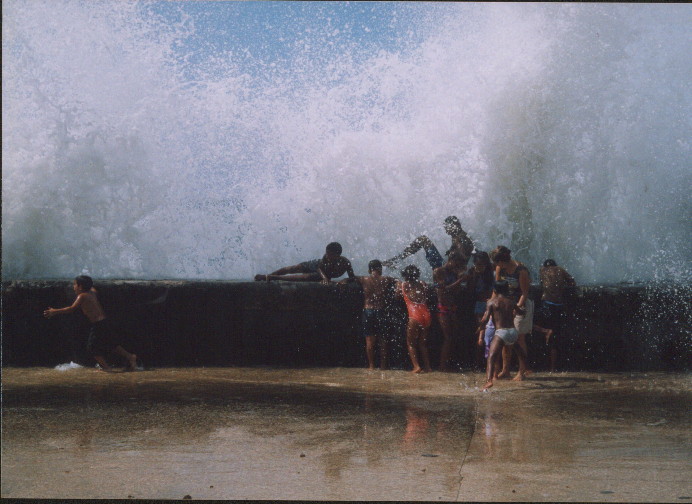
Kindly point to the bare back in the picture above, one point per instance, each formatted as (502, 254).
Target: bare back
(502, 310)
(375, 291)
(554, 281)
(90, 306)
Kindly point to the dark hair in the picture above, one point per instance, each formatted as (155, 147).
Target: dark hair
(488, 275)
(501, 254)
(410, 272)
(85, 282)
(481, 256)
(453, 222)
(549, 262)
(501, 287)
(334, 248)
(375, 264)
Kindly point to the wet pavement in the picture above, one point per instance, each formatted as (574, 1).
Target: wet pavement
(344, 434)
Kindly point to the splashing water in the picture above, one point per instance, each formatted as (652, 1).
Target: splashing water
(68, 366)
(130, 150)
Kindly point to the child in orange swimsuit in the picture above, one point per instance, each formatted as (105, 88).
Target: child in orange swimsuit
(415, 295)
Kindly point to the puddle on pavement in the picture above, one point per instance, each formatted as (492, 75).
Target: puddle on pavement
(253, 433)
(91, 438)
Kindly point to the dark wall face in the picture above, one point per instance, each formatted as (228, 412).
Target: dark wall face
(174, 323)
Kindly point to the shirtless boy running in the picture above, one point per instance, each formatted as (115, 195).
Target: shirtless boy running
(101, 337)
(502, 309)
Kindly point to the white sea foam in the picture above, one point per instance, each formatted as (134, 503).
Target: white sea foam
(559, 130)
(68, 366)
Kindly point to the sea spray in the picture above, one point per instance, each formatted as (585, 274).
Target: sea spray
(67, 366)
(558, 130)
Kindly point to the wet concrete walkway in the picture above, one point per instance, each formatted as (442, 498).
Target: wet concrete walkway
(344, 434)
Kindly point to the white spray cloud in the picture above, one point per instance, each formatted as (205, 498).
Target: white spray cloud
(559, 130)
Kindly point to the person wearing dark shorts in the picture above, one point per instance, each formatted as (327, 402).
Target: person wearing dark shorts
(102, 339)
(554, 282)
(551, 316)
(377, 293)
(433, 256)
(373, 321)
(309, 266)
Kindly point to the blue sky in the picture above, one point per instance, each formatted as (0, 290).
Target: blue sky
(273, 32)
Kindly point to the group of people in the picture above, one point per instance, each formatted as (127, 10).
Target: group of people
(498, 285)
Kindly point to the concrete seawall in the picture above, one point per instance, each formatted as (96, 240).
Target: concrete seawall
(227, 323)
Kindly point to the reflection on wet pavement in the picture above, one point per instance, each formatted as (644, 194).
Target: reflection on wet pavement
(215, 438)
(259, 433)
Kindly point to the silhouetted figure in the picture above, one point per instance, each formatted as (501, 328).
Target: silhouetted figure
(332, 265)
(102, 338)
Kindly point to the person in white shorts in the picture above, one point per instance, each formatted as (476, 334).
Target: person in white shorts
(502, 309)
(518, 280)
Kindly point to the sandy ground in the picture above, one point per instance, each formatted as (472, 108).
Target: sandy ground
(344, 434)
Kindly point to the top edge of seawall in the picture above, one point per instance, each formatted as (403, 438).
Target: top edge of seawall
(670, 283)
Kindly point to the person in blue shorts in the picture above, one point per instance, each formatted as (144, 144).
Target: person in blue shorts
(481, 279)
(377, 292)
(461, 243)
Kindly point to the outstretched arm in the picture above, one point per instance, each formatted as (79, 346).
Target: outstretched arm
(51, 312)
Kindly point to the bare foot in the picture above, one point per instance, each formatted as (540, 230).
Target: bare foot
(102, 365)
(528, 372)
(417, 370)
(488, 384)
(519, 377)
(504, 375)
(371, 368)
